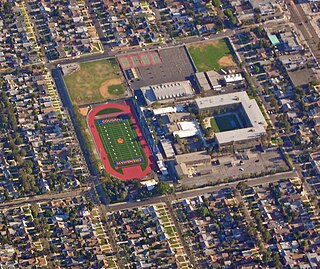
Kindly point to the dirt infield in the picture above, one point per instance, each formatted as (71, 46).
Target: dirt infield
(132, 172)
(104, 91)
(227, 61)
(210, 55)
(84, 84)
(84, 110)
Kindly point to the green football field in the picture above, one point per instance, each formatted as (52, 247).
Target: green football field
(120, 141)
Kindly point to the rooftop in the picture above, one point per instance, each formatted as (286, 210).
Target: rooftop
(179, 88)
(240, 135)
(222, 100)
(274, 39)
(250, 107)
(193, 157)
(170, 90)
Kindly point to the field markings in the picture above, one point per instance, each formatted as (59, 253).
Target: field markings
(119, 152)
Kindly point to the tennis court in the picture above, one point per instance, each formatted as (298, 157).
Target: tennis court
(124, 62)
(141, 59)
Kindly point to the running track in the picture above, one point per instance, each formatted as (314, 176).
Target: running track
(131, 172)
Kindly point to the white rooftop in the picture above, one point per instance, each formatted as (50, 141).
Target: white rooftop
(170, 90)
(186, 129)
(167, 110)
(250, 107)
(222, 100)
(233, 78)
(240, 135)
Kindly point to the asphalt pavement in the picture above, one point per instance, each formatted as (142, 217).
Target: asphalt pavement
(202, 191)
(301, 20)
(44, 197)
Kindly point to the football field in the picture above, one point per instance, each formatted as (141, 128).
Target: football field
(120, 142)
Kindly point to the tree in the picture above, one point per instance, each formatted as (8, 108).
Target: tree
(242, 186)
(162, 188)
(7, 8)
(37, 126)
(34, 210)
(216, 3)
(276, 260)
(203, 211)
(266, 235)
(19, 140)
(156, 104)
(23, 153)
(115, 190)
(228, 12)
(257, 17)
(273, 101)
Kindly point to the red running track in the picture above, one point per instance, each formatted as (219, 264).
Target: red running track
(131, 172)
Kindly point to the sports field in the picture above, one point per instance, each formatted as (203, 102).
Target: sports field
(211, 55)
(95, 81)
(120, 142)
(222, 123)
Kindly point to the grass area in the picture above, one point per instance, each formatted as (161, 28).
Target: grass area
(116, 89)
(82, 126)
(84, 84)
(206, 56)
(170, 230)
(227, 122)
(109, 110)
(214, 125)
(121, 143)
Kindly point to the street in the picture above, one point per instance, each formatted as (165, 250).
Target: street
(301, 20)
(202, 191)
(44, 198)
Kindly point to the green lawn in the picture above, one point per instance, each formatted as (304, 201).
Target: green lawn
(170, 230)
(207, 56)
(127, 149)
(214, 125)
(109, 110)
(84, 84)
(116, 89)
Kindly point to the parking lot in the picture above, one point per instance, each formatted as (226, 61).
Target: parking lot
(175, 66)
(249, 163)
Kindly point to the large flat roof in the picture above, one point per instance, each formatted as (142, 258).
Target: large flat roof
(193, 157)
(250, 107)
(239, 135)
(201, 77)
(167, 148)
(169, 90)
(172, 88)
(221, 100)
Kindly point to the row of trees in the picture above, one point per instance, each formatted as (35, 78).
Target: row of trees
(117, 190)
(82, 127)
(7, 115)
